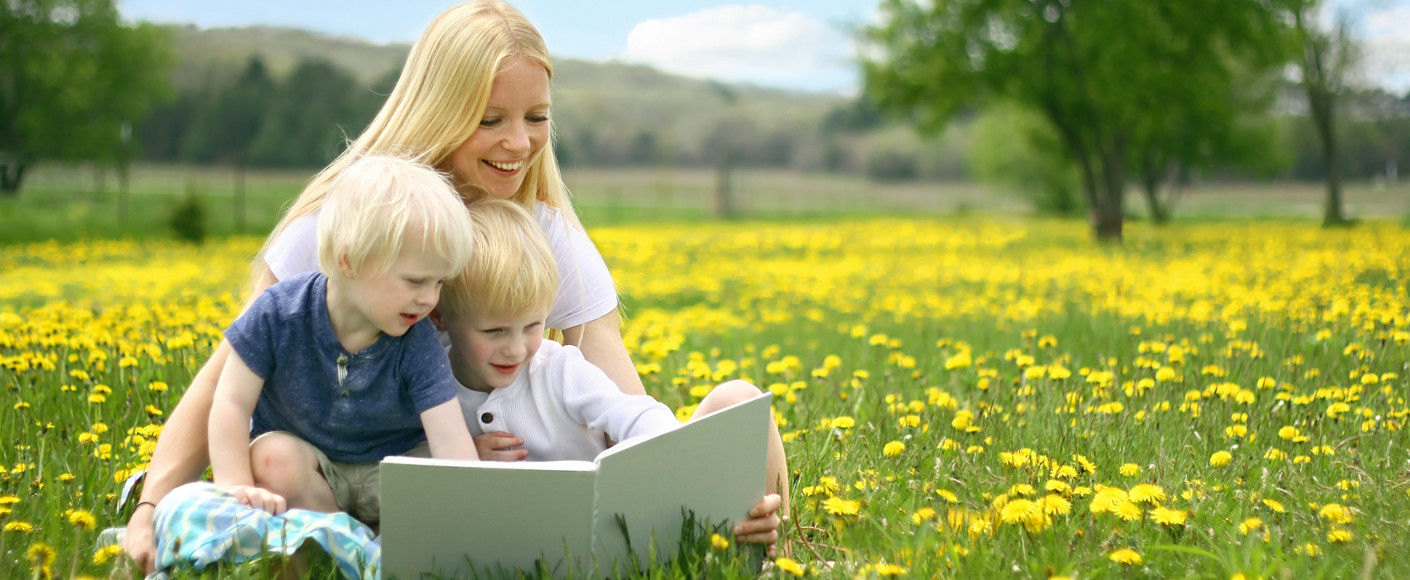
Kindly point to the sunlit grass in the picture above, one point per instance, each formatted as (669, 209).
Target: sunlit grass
(959, 398)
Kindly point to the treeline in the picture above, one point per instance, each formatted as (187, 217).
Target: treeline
(254, 119)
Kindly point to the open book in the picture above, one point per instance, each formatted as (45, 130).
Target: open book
(461, 518)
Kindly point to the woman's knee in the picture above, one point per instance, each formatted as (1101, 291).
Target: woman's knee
(727, 394)
(282, 463)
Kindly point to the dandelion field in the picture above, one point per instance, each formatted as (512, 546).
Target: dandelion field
(959, 398)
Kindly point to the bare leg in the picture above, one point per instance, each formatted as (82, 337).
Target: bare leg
(288, 466)
(738, 391)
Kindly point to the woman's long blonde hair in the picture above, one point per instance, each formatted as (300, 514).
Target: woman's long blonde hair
(438, 102)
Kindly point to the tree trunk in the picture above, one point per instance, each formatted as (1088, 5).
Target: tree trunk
(240, 196)
(1332, 215)
(11, 175)
(1150, 184)
(724, 186)
(1107, 220)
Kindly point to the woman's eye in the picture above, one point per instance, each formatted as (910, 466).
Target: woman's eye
(538, 118)
(488, 122)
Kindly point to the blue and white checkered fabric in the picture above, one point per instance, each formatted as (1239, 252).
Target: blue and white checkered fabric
(198, 524)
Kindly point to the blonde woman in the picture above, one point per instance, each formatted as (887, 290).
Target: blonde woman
(472, 100)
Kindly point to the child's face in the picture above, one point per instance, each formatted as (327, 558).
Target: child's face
(397, 297)
(489, 352)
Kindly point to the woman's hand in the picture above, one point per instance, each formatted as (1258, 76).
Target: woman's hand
(762, 525)
(500, 446)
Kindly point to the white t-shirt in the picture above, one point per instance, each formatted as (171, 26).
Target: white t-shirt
(585, 288)
(561, 406)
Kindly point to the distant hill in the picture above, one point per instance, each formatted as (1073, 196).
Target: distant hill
(605, 113)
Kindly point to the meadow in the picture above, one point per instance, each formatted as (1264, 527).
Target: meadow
(961, 397)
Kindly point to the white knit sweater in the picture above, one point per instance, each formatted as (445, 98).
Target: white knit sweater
(562, 405)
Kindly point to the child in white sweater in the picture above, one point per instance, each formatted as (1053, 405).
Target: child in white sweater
(540, 400)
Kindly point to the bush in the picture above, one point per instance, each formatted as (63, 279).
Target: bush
(188, 219)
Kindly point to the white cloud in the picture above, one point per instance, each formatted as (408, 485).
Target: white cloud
(751, 43)
(1387, 48)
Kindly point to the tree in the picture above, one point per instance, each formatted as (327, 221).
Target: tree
(311, 116)
(1095, 71)
(71, 77)
(240, 112)
(1326, 56)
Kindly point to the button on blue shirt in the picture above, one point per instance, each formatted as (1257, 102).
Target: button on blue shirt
(352, 407)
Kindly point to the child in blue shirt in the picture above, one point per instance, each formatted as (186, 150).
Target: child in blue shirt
(332, 371)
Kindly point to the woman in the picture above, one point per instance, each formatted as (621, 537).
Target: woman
(472, 100)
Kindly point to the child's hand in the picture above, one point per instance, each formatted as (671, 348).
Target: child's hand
(259, 498)
(762, 525)
(497, 446)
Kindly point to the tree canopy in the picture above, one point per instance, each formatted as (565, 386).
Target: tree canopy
(1112, 78)
(73, 80)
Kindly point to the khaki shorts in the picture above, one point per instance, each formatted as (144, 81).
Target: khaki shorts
(356, 486)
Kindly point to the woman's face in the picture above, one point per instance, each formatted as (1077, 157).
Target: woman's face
(512, 134)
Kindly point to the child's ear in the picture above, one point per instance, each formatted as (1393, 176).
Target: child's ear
(345, 266)
(435, 317)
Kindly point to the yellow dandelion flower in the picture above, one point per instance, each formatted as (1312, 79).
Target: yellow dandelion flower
(102, 555)
(1086, 464)
(1130, 469)
(1054, 504)
(1168, 517)
(789, 566)
(947, 495)
(1335, 514)
(1250, 525)
(17, 526)
(893, 449)
(922, 515)
(842, 507)
(890, 570)
(1147, 493)
(718, 542)
(1339, 536)
(1274, 505)
(844, 422)
(1125, 556)
(1019, 511)
(1127, 511)
(1220, 458)
(83, 520)
(9, 500)
(40, 555)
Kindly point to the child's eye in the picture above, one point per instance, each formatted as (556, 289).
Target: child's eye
(489, 122)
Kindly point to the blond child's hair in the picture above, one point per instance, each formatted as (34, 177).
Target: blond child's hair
(438, 102)
(378, 204)
(513, 272)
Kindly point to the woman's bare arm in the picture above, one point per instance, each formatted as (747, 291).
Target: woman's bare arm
(182, 452)
(601, 343)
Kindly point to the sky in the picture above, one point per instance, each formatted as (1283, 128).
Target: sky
(794, 44)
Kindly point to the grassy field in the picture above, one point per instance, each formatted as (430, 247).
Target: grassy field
(69, 203)
(961, 396)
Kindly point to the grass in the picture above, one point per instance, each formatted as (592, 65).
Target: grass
(958, 395)
(70, 203)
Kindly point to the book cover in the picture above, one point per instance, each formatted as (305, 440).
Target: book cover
(460, 518)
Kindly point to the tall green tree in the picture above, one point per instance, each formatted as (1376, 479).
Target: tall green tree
(72, 76)
(1325, 56)
(1095, 71)
(311, 116)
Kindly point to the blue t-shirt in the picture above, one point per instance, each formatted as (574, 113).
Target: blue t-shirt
(352, 407)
